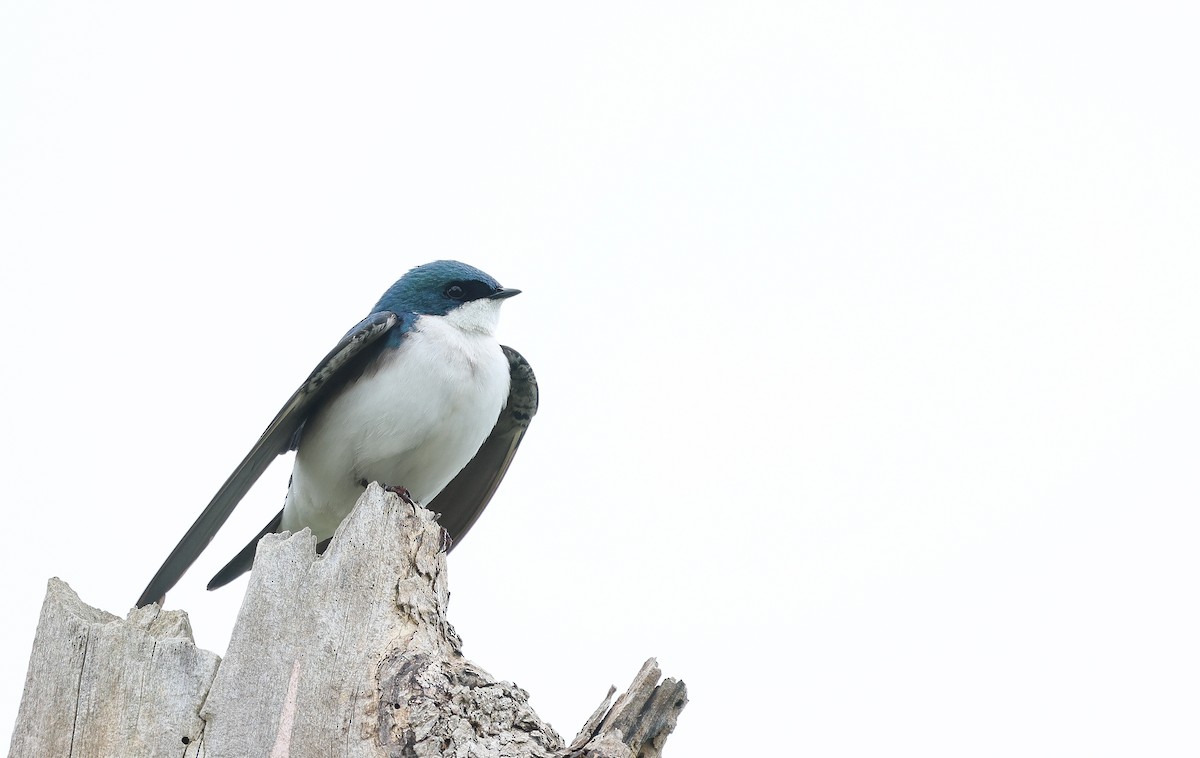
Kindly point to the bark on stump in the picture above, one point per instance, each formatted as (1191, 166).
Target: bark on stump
(346, 654)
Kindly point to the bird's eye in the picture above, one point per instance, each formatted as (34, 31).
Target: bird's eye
(466, 290)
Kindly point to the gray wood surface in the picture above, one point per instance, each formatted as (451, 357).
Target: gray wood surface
(345, 654)
(102, 686)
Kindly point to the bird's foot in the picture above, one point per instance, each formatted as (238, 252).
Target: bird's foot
(403, 492)
(447, 541)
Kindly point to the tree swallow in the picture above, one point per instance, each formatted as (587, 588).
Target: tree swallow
(418, 396)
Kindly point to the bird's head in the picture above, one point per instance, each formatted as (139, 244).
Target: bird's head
(461, 293)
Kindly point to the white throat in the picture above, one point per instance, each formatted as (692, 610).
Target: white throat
(478, 316)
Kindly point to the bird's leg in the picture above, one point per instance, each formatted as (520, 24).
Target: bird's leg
(403, 492)
(447, 540)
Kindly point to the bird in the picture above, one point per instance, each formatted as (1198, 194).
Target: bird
(418, 396)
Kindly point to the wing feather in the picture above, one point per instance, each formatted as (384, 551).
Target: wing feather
(468, 493)
(278, 438)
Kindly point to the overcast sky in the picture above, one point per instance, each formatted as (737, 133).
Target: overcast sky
(868, 338)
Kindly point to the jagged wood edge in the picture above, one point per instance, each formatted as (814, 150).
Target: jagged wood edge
(641, 719)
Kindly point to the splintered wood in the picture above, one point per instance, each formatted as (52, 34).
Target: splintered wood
(347, 654)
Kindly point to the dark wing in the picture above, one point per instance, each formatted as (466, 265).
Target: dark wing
(352, 351)
(244, 560)
(468, 493)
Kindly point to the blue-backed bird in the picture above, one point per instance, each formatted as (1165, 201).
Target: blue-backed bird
(419, 396)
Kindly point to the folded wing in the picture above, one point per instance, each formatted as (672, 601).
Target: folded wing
(339, 366)
(468, 493)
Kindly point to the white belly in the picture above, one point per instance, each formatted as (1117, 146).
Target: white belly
(414, 423)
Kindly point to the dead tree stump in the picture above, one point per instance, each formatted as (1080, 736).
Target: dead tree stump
(346, 654)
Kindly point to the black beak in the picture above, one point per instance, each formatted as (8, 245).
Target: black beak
(503, 292)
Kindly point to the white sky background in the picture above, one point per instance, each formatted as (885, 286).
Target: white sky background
(868, 338)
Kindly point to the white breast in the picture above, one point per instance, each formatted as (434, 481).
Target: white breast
(414, 422)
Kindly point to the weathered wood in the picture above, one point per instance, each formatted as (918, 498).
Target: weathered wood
(102, 686)
(639, 722)
(346, 654)
(351, 653)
